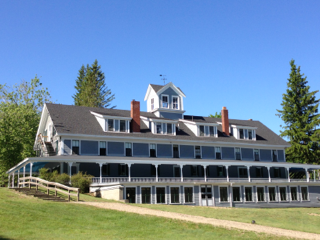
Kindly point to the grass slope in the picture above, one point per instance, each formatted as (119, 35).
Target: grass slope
(23, 217)
(299, 219)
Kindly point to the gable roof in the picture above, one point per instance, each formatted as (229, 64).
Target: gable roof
(69, 119)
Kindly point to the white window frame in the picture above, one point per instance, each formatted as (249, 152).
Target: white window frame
(301, 194)
(254, 156)
(241, 199)
(276, 194)
(298, 199)
(145, 186)
(245, 136)
(136, 197)
(264, 193)
(155, 128)
(114, 125)
(168, 102)
(194, 151)
(228, 193)
(165, 193)
(124, 154)
(155, 149)
(244, 193)
(75, 146)
(235, 153)
(99, 146)
(183, 197)
(170, 194)
(178, 149)
(178, 103)
(215, 152)
(287, 199)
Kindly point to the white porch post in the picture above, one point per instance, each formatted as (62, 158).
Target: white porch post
(288, 172)
(269, 174)
(129, 172)
(227, 173)
(248, 169)
(18, 185)
(156, 166)
(314, 175)
(100, 165)
(31, 164)
(70, 170)
(8, 180)
(181, 168)
(205, 173)
(24, 175)
(307, 174)
(230, 195)
(12, 180)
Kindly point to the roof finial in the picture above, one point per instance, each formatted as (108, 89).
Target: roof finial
(163, 78)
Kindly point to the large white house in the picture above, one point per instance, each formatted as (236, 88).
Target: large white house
(163, 156)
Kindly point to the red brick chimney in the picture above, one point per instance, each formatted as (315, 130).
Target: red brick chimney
(135, 115)
(225, 121)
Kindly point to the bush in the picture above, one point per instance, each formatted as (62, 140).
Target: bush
(62, 178)
(81, 181)
(45, 174)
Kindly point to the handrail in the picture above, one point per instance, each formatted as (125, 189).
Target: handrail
(40, 182)
(42, 143)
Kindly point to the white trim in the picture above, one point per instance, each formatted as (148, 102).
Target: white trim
(244, 193)
(155, 150)
(170, 84)
(161, 101)
(170, 194)
(286, 187)
(307, 193)
(194, 151)
(198, 123)
(275, 194)
(290, 194)
(145, 186)
(124, 151)
(178, 102)
(264, 193)
(241, 199)
(110, 116)
(184, 192)
(136, 194)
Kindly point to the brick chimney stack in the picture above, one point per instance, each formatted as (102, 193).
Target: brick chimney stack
(225, 121)
(135, 115)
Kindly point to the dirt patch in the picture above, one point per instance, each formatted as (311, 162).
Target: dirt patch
(198, 219)
(314, 214)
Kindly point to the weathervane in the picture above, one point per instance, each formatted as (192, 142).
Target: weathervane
(163, 78)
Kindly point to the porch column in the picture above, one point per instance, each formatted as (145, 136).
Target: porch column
(18, 185)
(314, 175)
(129, 172)
(70, 170)
(227, 173)
(12, 180)
(156, 166)
(269, 174)
(288, 172)
(307, 174)
(181, 172)
(205, 173)
(100, 165)
(230, 195)
(248, 169)
(24, 175)
(8, 180)
(31, 164)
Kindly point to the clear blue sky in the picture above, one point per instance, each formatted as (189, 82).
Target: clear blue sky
(220, 53)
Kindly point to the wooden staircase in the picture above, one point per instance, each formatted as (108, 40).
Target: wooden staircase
(40, 195)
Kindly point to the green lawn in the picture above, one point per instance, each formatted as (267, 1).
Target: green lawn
(24, 217)
(299, 219)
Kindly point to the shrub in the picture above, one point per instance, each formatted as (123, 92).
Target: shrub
(45, 174)
(81, 181)
(62, 178)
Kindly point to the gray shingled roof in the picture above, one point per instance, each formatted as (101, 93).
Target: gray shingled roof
(157, 88)
(78, 120)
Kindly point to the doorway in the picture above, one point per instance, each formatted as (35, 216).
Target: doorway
(131, 195)
(206, 195)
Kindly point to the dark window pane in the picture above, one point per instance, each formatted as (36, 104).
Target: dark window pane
(294, 196)
(175, 195)
(304, 193)
(272, 194)
(110, 125)
(145, 195)
(283, 194)
(175, 151)
(103, 152)
(248, 194)
(161, 195)
(236, 194)
(260, 193)
(122, 125)
(169, 128)
(75, 150)
(188, 194)
(128, 152)
(223, 194)
(241, 134)
(105, 170)
(211, 129)
(201, 130)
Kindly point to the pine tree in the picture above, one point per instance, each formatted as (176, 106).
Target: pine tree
(300, 115)
(91, 88)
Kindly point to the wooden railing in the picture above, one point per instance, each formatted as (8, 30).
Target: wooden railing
(53, 186)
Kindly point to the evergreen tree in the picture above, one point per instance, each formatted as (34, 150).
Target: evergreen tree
(300, 115)
(91, 88)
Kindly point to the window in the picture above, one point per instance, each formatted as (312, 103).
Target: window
(75, 147)
(145, 195)
(304, 193)
(123, 170)
(211, 131)
(165, 102)
(256, 154)
(188, 194)
(250, 134)
(161, 195)
(258, 172)
(218, 153)
(175, 103)
(238, 154)
(201, 131)
(223, 194)
(283, 193)
(105, 170)
(241, 133)
(152, 103)
(272, 194)
(194, 171)
(220, 171)
(276, 172)
(122, 125)
(175, 149)
(128, 147)
(169, 128)
(174, 195)
(236, 194)
(197, 151)
(158, 128)
(274, 155)
(243, 172)
(103, 149)
(260, 194)
(294, 195)
(110, 125)
(152, 150)
(248, 194)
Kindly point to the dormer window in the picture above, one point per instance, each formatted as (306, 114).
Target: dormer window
(122, 125)
(165, 103)
(152, 103)
(250, 133)
(169, 128)
(163, 128)
(207, 131)
(159, 128)
(244, 133)
(211, 131)
(175, 102)
(110, 125)
(201, 128)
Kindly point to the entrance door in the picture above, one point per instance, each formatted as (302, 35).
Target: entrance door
(131, 194)
(206, 195)
(145, 195)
